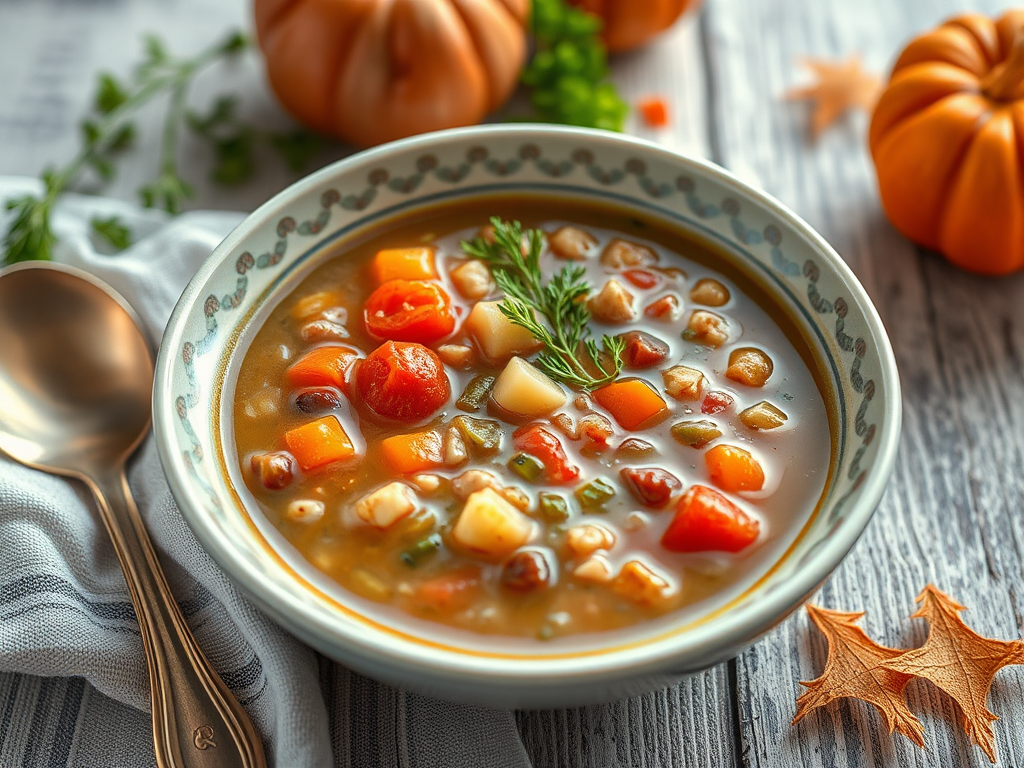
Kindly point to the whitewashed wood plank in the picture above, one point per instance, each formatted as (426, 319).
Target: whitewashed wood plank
(952, 513)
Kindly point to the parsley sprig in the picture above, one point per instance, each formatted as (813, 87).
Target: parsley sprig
(560, 301)
(568, 73)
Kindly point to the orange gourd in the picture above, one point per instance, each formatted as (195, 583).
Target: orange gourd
(369, 71)
(947, 138)
(631, 23)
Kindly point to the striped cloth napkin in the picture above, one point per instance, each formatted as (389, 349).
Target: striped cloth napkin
(73, 684)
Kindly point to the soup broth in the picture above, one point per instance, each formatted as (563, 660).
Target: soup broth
(403, 435)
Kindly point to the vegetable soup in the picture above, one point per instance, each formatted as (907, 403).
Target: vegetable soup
(569, 425)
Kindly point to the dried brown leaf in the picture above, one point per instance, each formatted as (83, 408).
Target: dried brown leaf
(841, 86)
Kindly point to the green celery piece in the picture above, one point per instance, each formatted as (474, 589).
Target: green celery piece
(526, 466)
(595, 494)
(421, 549)
(695, 433)
(482, 434)
(553, 508)
(475, 394)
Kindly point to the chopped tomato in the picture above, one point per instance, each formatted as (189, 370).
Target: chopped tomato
(409, 310)
(404, 382)
(632, 402)
(715, 402)
(654, 111)
(406, 454)
(545, 446)
(642, 278)
(643, 350)
(451, 591)
(653, 486)
(322, 367)
(319, 443)
(706, 521)
(404, 264)
(734, 469)
(664, 308)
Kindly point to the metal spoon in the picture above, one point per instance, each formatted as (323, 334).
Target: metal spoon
(76, 379)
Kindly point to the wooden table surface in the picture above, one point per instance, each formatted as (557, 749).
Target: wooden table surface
(953, 512)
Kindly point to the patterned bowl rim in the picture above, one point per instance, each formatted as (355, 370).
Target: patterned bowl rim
(735, 627)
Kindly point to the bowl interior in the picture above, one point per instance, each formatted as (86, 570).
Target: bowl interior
(270, 253)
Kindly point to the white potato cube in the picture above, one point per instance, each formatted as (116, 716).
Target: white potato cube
(386, 506)
(473, 480)
(683, 382)
(456, 355)
(305, 511)
(642, 584)
(614, 304)
(473, 279)
(595, 568)
(490, 526)
(526, 391)
(497, 336)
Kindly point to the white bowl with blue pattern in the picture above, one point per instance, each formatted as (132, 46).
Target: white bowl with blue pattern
(259, 263)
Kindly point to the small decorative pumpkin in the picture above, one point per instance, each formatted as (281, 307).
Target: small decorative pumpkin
(631, 23)
(369, 71)
(947, 138)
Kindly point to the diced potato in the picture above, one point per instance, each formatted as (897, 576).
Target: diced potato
(706, 328)
(763, 415)
(314, 304)
(566, 425)
(595, 568)
(710, 293)
(386, 506)
(473, 480)
(622, 253)
(473, 279)
(490, 525)
(683, 382)
(456, 355)
(614, 304)
(369, 585)
(642, 584)
(455, 451)
(497, 336)
(305, 511)
(526, 391)
(749, 366)
(426, 482)
(584, 540)
(571, 243)
(263, 403)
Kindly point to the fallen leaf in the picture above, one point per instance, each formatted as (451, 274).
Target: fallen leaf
(959, 661)
(855, 669)
(841, 86)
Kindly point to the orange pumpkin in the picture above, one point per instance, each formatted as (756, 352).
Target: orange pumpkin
(369, 71)
(631, 23)
(947, 138)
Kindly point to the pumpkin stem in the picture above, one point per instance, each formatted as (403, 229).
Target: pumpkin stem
(1006, 81)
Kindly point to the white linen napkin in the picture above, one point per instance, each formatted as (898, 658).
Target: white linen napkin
(65, 613)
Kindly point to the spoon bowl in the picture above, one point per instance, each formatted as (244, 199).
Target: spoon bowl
(76, 372)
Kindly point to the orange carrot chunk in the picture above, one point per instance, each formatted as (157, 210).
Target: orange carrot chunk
(654, 111)
(417, 452)
(321, 367)
(451, 591)
(734, 469)
(706, 521)
(632, 402)
(319, 443)
(404, 264)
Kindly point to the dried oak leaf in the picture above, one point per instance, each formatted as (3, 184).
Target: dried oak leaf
(959, 661)
(855, 669)
(841, 86)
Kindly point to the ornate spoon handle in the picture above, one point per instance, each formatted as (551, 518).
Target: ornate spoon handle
(197, 722)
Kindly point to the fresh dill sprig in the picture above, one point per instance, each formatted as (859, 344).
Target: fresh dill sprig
(560, 301)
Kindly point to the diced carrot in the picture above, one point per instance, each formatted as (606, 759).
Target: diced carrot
(404, 264)
(632, 402)
(319, 443)
(420, 451)
(451, 591)
(654, 111)
(706, 521)
(321, 367)
(734, 469)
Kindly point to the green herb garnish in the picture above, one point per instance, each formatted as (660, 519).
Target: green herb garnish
(569, 71)
(560, 301)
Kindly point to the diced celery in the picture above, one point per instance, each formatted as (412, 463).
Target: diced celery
(475, 394)
(553, 508)
(484, 435)
(595, 494)
(421, 549)
(696, 434)
(526, 466)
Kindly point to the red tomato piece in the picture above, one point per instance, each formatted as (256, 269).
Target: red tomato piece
(545, 446)
(643, 350)
(653, 486)
(715, 402)
(664, 308)
(404, 382)
(409, 310)
(642, 278)
(706, 521)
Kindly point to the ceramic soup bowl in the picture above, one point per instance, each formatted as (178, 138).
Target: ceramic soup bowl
(259, 263)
